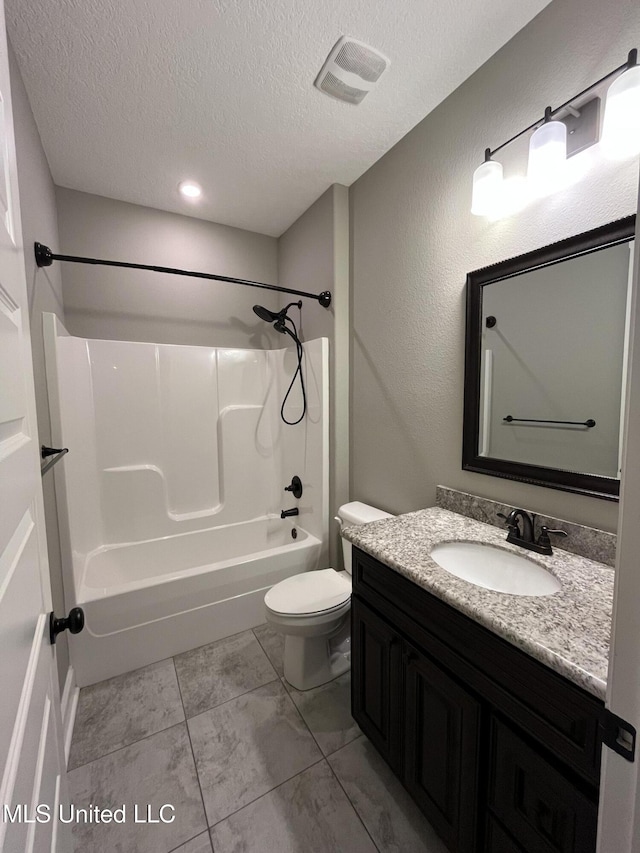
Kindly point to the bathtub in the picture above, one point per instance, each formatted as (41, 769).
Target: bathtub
(150, 600)
(169, 499)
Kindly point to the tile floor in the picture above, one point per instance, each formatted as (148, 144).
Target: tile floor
(250, 764)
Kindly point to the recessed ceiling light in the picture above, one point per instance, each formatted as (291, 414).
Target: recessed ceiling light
(189, 189)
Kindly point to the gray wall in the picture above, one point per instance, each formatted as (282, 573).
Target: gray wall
(132, 305)
(313, 254)
(414, 240)
(44, 288)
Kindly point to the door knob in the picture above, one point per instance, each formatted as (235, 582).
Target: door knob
(74, 622)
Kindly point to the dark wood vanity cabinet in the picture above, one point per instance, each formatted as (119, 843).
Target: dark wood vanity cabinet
(500, 753)
(376, 701)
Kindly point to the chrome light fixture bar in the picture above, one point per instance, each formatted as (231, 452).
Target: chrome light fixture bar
(548, 144)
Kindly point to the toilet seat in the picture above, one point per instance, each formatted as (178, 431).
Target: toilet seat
(316, 592)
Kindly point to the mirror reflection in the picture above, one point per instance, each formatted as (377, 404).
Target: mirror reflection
(552, 363)
(545, 375)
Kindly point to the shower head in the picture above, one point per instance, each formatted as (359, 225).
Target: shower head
(280, 320)
(277, 319)
(265, 314)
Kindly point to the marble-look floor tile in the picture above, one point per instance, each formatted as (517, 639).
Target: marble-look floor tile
(220, 671)
(273, 645)
(390, 815)
(122, 710)
(327, 712)
(201, 844)
(308, 813)
(153, 772)
(247, 746)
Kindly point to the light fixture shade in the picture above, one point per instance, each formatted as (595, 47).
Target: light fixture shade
(547, 158)
(514, 196)
(487, 188)
(621, 128)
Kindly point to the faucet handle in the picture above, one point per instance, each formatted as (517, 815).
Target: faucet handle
(545, 542)
(544, 531)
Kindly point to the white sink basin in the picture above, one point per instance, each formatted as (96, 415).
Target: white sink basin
(494, 568)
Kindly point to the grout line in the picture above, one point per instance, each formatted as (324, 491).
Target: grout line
(344, 745)
(270, 791)
(304, 722)
(232, 699)
(306, 725)
(333, 752)
(127, 745)
(212, 643)
(353, 806)
(193, 756)
(193, 838)
(266, 653)
(244, 693)
(144, 737)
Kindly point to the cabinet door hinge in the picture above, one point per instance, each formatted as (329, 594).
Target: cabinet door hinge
(618, 735)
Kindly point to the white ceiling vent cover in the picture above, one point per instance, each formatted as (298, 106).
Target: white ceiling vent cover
(352, 69)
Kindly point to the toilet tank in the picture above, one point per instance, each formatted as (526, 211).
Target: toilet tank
(356, 512)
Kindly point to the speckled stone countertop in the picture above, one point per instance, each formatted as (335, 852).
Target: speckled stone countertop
(568, 631)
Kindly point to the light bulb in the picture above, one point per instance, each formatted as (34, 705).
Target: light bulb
(189, 189)
(621, 128)
(487, 188)
(546, 171)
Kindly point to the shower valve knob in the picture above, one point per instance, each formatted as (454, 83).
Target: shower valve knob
(74, 622)
(295, 487)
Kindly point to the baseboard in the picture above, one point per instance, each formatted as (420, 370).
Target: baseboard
(69, 706)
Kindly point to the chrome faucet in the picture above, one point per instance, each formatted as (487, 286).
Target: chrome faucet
(525, 537)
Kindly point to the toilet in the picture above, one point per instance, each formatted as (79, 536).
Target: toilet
(312, 610)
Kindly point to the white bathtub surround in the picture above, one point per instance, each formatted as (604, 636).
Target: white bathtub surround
(172, 490)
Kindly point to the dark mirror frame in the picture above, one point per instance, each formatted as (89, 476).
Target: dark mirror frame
(608, 488)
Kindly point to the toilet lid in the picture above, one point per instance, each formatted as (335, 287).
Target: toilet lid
(309, 592)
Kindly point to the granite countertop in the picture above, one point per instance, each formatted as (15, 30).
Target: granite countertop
(567, 631)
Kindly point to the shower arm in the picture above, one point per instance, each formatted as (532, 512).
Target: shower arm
(45, 257)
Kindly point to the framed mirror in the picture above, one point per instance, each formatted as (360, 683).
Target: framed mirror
(545, 363)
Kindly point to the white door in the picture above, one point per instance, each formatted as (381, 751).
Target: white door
(619, 819)
(31, 755)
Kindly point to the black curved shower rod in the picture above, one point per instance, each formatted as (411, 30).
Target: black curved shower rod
(45, 257)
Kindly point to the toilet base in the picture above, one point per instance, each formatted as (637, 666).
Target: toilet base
(312, 661)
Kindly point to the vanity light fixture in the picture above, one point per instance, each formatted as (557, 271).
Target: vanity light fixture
(190, 190)
(547, 156)
(621, 130)
(487, 186)
(549, 147)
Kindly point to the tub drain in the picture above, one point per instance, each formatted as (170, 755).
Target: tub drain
(294, 533)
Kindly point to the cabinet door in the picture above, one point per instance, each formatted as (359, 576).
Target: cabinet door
(544, 811)
(441, 739)
(376, 681)
(498, 841)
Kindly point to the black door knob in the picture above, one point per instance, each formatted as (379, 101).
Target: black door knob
(74, 622)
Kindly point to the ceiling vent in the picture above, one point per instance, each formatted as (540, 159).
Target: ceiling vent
(352, 69)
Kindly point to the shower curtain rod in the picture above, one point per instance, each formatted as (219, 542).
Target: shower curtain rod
(45, 257)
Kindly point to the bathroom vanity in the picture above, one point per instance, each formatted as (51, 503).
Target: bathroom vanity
(487, 706)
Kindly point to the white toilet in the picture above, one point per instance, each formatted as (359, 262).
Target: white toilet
(312, 611)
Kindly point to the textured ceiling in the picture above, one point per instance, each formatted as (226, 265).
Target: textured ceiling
(133, 96)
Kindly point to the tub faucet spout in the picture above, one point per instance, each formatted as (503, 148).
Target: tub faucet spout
(285, 513)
